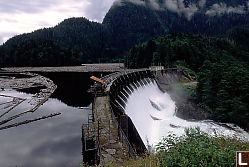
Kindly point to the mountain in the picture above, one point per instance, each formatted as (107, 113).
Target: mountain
(135, 21)
(71, 42)
(127, 23)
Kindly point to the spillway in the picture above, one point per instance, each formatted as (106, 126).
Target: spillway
(153, 114)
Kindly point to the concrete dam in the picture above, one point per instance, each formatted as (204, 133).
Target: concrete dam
(110, 134)
(133, 113)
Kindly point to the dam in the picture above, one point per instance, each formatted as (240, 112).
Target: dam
(109, 126)
(142, 114)
(125, 119)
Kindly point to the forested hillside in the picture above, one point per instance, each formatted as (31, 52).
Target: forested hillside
(240, 36)
(221, 67)
(128, 22)
(134, 22)
(72, 42)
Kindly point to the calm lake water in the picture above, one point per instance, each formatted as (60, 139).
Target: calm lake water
(53, 142)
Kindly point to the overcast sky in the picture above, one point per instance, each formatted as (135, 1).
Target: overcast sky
(22, 16)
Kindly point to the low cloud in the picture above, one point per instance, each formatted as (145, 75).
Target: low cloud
(137, 2)
(117, 3)
(222, 8)
(202, 3)
(155, 4)
(179, 7)
(176, 6)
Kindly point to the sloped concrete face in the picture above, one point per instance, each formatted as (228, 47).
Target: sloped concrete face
(119, 90)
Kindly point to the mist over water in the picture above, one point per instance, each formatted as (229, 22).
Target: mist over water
(153, 114)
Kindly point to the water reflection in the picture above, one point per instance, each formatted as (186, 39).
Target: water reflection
(72, 87)
(52, 142)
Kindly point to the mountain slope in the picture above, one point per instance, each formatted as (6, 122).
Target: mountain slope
(82, 40)
(240, 36)
(128, 22)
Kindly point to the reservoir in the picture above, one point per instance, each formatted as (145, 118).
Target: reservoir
(56, 141)
(51, 142)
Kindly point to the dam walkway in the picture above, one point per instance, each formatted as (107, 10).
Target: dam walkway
(108, 142)
(111, 146)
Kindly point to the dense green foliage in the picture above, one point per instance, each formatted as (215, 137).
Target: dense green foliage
(197, 148)
(240, 36)
(184, 49)
(40, 52)
(74, 41)
(125, 25)
(224, 90)
(222, 69)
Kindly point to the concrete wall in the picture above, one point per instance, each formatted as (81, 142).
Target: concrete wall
(125, 122)
(164, 79)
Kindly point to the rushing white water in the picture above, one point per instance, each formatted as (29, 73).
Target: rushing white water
(153, 114)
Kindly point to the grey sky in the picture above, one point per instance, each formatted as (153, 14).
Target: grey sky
(22, 16)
